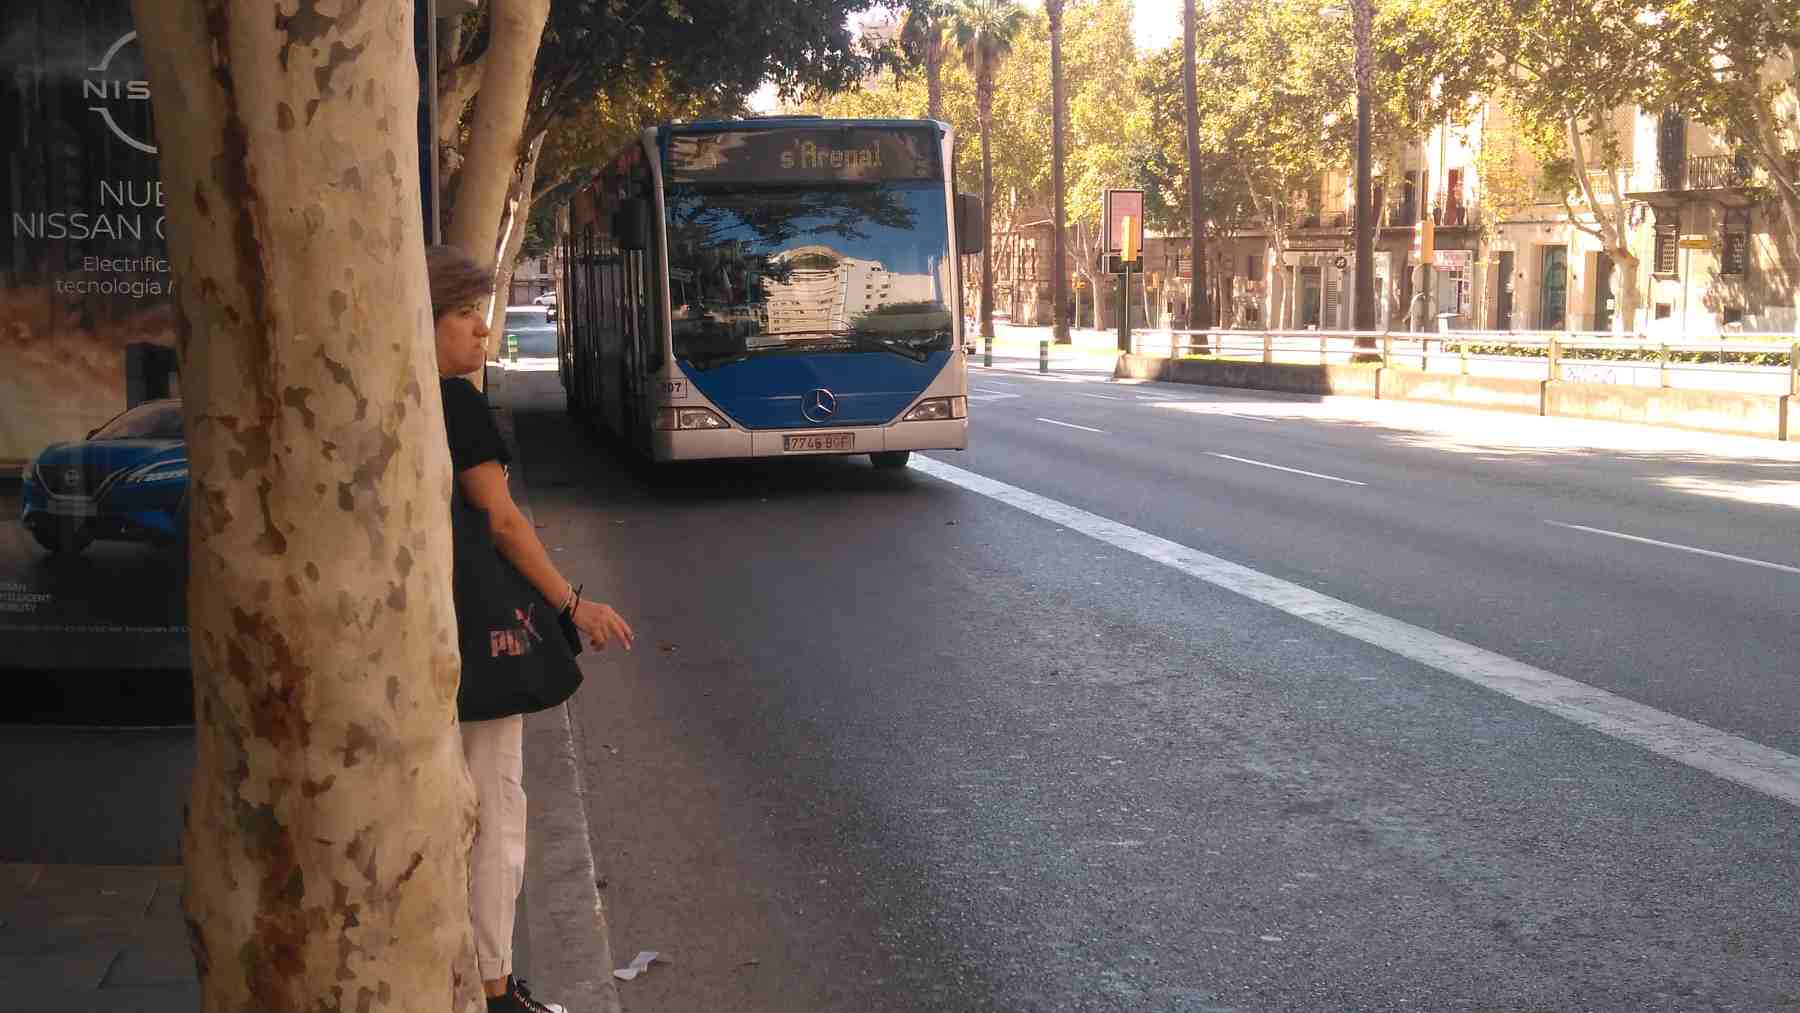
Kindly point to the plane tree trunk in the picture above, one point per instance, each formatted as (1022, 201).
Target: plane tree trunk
(497, 126)
(512, 237)
(330, 814)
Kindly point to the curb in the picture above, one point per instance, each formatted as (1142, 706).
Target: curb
(565, 921)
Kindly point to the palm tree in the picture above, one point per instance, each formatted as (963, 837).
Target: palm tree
(1059, 281)
(922, 40)
(984, 31)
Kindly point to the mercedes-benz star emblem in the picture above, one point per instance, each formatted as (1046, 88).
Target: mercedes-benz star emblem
(819, 405)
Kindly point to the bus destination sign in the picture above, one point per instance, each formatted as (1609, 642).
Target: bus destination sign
(804, 154)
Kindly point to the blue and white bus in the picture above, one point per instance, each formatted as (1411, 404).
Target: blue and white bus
(771, 287)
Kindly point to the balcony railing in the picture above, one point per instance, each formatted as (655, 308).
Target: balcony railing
(1707, 172)
(1398, 216)
(1602, 182)
(1335, 213)
(1453, 214)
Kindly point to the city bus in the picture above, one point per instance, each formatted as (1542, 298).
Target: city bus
(770, 287)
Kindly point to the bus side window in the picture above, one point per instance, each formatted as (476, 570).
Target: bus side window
(631, 224)
(642, 208)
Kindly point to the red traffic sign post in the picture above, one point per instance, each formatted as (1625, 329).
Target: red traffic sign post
(1122, 213)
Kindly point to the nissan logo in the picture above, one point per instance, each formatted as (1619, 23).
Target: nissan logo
(818, 405)
(106, 88)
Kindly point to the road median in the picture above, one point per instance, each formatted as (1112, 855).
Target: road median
(1739, 414)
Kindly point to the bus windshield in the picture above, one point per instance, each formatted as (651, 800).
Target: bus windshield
(757, 270)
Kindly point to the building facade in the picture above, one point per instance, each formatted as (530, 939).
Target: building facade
(1679, 236)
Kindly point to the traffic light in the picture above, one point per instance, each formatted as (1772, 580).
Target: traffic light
(1424, 247)
(1129, 250)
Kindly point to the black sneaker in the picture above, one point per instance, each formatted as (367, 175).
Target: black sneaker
(518, 1000)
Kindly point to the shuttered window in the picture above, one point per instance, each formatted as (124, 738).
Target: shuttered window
(1734, 255)
(1668, 238)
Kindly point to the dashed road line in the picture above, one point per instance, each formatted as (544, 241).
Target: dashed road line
(1675, 545)
(1277, 467)
(1071, 425)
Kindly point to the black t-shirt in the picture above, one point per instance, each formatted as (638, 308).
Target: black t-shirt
(474, 439)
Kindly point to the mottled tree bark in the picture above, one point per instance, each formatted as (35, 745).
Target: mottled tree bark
(1612, 226)
(496, 147)
(497, 126)
(512, 237)
(330, 815)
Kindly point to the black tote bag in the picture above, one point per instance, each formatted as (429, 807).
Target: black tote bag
(516, 656)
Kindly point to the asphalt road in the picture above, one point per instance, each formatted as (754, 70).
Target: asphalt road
(890, 744)
(1470, 524)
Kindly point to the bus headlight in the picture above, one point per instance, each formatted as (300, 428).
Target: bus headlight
(689, 418)
(937, 409)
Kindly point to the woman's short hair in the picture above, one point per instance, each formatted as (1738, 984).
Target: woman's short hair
(456, 279)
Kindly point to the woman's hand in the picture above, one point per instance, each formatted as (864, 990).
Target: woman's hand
(602, 624)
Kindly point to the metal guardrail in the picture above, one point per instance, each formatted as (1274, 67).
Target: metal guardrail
(1770, 357)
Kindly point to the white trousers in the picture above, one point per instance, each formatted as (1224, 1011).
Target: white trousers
(494, 751)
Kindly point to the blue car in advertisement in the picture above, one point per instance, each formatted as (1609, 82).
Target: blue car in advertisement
(127, 481)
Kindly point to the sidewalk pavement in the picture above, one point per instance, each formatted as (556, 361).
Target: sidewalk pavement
(95, 939)
(561, 943)
(1087, 341)
(112, 938)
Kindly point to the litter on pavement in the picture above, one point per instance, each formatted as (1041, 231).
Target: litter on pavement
(639, 964)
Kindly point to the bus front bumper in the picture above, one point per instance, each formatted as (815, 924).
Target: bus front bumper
(707, 444)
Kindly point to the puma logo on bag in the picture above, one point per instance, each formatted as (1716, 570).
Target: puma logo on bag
(517, 641)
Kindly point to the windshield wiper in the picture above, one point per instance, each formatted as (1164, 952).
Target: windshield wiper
(916, 345)
(704, 363)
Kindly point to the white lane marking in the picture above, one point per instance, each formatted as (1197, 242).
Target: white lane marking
(990, 395)
(1029, 373)
(995, 383)
(1247, 418)
(1103, 397)
(1297, 471)
(1071, 425)
(1731, 757)
(1684, 548)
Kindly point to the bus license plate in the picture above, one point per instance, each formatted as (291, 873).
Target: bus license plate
(819, 441)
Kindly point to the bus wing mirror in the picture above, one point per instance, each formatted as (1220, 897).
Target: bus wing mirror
(971, 224)
(631, 225)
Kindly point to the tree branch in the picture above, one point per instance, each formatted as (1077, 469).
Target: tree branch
(456, 87)
(1587, 189)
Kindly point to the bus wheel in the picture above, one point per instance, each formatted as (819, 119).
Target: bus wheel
(890, 459)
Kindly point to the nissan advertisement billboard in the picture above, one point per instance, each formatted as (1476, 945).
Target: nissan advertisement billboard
(93, 465)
